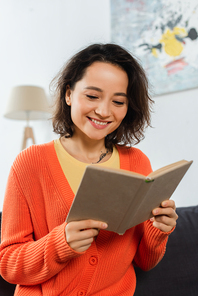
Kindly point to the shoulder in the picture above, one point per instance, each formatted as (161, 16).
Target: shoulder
(138, 161)
(32, 156)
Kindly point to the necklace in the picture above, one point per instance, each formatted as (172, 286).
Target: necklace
(102, 155)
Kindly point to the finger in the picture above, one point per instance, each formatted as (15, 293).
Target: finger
(168, 203)
(79, 246)
(163, 227)
(85, 224)
(170, 212)
(82, 249)
(87, 233)
(166, 220)
(94, 224)
(164, 223)
(81, 230)
(72, 236)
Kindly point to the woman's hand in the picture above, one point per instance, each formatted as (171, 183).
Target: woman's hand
(165, 216)
(80, 234)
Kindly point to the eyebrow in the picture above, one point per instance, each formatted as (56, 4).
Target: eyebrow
(100, 90)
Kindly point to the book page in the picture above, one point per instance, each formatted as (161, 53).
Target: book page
(168, 168)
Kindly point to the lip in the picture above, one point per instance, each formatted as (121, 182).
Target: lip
(96, 125)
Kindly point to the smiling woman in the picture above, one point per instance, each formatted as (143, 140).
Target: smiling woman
(137, 90)
(102, 108)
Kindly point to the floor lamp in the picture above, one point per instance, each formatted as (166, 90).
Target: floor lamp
(27, 103)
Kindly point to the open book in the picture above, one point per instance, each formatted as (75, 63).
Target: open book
(121, 198)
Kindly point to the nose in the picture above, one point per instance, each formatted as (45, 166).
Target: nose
(103, 109)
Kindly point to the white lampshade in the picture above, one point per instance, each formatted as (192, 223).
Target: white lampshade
(27, 103)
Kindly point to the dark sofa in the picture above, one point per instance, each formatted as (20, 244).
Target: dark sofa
(6, 289)
(176, 274)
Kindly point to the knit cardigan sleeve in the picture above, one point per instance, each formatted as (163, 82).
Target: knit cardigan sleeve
(24, 259)
(152, 246)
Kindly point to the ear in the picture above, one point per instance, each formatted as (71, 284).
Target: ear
(68, 95)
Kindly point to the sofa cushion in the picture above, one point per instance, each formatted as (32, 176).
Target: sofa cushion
(177, 273)
(6, 289)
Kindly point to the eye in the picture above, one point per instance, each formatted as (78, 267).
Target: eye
(91, 97)
(119, 103)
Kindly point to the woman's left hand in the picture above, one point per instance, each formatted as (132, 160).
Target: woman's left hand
(165, 216)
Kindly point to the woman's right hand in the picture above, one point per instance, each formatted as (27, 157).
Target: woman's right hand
(80, 234)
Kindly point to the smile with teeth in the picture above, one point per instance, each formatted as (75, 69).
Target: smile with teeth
(99, 122)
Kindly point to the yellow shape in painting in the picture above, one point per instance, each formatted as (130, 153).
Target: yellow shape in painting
(154, 52)
(172, 46)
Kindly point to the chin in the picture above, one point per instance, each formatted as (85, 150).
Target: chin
(95, 137)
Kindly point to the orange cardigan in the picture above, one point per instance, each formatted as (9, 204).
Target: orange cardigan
(34, 253)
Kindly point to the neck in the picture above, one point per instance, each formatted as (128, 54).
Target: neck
(102, 156)
(88, 152)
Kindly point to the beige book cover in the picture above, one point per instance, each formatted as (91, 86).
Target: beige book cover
(121, 198)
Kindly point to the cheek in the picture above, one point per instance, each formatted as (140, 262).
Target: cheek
(82, 106)
(122, 114)
(78, 109)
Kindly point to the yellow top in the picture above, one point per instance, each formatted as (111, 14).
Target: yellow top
(74, 169)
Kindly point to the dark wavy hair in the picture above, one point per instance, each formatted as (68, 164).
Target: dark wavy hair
(131, 130)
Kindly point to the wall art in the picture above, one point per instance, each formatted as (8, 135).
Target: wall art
(163, 35)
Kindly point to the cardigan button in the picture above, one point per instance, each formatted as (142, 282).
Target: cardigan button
(81, 293)
(93, 260)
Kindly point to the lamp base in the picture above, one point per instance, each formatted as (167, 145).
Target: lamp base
(28, 134)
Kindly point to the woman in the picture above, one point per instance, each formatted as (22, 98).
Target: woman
(102, 107)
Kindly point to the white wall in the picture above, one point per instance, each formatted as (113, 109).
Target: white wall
(174, 137)
(37, 37)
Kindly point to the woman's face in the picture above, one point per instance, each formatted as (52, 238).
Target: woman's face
(98, 101)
